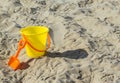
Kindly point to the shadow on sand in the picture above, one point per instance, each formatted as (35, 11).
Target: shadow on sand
(72, 54)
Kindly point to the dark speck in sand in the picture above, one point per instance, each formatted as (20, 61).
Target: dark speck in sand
(18, 26)
(17, 3)
(33, 10)
(68, 17)
(43, 2)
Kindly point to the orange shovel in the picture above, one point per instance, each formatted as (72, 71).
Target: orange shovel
(14, 61)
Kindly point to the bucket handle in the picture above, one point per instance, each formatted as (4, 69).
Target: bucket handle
(48, 45)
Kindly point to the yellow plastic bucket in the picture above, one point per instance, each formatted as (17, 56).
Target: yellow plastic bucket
(36, 37)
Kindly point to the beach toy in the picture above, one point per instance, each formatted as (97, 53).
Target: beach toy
(35, 39)
(14, 61)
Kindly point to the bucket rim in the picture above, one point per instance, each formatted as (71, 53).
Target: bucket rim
(24, 28)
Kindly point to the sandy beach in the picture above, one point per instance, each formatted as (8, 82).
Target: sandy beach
(85, 44)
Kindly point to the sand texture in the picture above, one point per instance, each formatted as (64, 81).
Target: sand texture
(85, 41)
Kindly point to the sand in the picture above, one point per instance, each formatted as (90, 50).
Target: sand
(85, 41)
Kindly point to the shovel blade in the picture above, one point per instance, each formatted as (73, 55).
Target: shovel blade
(13, 62)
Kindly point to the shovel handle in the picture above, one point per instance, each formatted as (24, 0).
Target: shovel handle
(21, 45)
